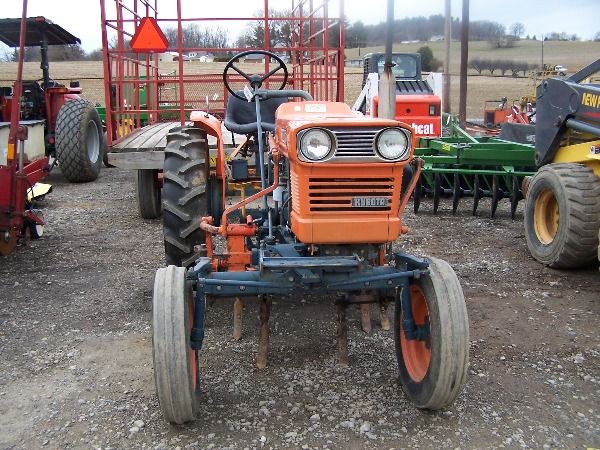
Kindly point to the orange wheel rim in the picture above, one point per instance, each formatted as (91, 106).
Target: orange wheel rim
(416, 354)
(545, 217)
(193, 353)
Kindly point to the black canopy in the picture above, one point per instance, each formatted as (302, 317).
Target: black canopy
(56, 35)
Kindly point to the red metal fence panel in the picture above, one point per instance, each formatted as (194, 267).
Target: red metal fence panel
(144, 88)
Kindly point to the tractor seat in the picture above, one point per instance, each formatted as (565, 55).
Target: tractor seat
(240, 116)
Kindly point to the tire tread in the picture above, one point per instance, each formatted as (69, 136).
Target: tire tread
(71, 151)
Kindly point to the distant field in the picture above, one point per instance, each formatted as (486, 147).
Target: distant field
(574, 55)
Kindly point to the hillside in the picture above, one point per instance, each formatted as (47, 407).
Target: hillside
(573, 55)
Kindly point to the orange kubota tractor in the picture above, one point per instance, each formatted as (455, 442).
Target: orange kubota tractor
(330, 207)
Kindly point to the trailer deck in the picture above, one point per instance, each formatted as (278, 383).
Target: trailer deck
(144, 147)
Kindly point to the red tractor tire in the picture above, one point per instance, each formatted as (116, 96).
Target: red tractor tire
(79, 141)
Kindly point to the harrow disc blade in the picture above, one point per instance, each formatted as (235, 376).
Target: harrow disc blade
(477, 193)
(515, 196)
(437, 192)
(417, 194)
(456, 193)
(497, 194)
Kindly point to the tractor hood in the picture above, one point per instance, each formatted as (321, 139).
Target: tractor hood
(295, 115)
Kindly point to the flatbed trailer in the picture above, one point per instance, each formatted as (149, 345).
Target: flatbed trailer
(142, 105)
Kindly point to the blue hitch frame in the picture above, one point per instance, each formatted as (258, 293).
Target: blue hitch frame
(295, 273)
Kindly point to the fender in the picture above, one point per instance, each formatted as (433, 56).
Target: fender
(212, 126)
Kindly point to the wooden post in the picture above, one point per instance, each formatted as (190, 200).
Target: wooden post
(447, 40)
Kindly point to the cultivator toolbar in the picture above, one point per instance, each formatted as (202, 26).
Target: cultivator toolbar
(461, 165)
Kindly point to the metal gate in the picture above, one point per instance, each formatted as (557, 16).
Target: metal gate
(143, 88)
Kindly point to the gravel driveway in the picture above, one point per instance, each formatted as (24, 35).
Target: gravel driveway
(76, 363)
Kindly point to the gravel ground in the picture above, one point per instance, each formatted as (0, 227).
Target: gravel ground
(76, 365)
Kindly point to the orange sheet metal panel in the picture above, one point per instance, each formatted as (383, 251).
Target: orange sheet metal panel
(333, 202)
(415, 110)
(325, 215)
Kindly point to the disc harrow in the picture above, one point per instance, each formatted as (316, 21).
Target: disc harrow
(461, 166)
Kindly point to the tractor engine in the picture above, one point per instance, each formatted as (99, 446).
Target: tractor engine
(345, 173)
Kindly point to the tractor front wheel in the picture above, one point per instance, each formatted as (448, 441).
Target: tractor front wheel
(147, 192)
(562, 215)
(433, 368)
(176, 371)
(184, 194)
(80, 143)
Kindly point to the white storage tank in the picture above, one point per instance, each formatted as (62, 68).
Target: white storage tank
(34, 145)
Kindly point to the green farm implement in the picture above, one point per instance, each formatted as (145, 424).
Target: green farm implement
(461, 165)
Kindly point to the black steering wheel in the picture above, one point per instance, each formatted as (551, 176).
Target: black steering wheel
(255, 81)
(40, 81)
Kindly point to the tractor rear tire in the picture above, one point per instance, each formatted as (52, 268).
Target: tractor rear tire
(176, 371)
(562, 216)
(184, 194)
(147, 192)
(80, 143)
(433, 371)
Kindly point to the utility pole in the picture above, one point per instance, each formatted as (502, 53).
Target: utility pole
(542, 68)
(464, 58)
(447, 39)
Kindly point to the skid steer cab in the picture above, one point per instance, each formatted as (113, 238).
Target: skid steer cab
(327, 210)
(418, 101)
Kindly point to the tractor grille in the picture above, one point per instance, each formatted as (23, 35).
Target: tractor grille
(409, 87)
(295, 192)
(336, 194)
(355, 142)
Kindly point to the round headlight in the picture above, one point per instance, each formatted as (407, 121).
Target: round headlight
(316, 144)
(393, 144)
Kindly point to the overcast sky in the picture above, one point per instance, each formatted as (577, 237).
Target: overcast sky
(82, 18)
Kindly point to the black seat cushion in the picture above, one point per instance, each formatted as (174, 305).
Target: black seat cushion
(240, 116)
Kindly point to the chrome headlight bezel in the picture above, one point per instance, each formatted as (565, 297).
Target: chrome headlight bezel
(301, 139)
(404, 155)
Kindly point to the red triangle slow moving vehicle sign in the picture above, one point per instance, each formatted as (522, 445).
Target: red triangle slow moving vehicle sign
(149, 37)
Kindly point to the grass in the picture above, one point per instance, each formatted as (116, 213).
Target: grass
(574, 55)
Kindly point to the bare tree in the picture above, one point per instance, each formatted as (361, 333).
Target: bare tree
(192, 36)
(503, 65)
(517, 29)
(279, 32)
(477, 64)
(95, 55)
(9, 55)
(66, 53)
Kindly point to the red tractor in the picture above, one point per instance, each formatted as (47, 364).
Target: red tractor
(73, 134)
(40, 123)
